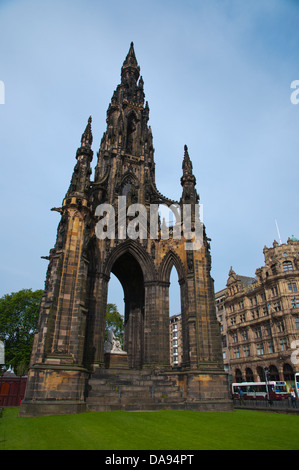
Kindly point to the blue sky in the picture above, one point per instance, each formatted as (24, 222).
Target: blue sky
(217, 77)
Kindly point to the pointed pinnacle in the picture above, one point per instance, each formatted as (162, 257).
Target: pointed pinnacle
(131, 64)
(86, 139)
(187, 164)
(186, 154)
(131, 58)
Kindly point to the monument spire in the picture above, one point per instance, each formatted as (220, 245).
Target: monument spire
(130, 69)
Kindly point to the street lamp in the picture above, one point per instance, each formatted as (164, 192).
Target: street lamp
(266, 372)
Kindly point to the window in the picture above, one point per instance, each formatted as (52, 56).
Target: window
(236, 353)
(242, 318)
(273, 268)
(297, 323)
(287, 266)
(271, 347)
(260, 349)
(265, 311)
(258, 332)
(277, 307)
(283, 344)
(233, 320)
(126, 188)
(274, 291)
(280, 326)
(245, 335)
(295, 302)
(292, 287)
(235, 337)
(268, 330)
(246, 351)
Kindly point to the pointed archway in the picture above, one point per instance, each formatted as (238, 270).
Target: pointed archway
(128, 272)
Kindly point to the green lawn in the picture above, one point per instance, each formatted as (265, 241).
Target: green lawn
(161, 430)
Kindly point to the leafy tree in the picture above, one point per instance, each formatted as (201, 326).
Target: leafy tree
(115, 319)
(18, 317)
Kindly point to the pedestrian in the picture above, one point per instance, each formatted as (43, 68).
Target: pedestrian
(293, 398)
(241, 396)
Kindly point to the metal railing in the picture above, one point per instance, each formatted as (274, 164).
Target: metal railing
(285, 404)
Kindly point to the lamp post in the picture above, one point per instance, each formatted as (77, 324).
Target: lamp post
(266, 372)
(2, 353)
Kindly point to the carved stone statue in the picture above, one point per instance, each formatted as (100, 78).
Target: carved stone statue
(112, 345)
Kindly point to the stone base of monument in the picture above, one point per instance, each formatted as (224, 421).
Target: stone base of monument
(116, 360)
(112, 389)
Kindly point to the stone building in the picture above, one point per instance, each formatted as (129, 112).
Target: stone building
(110, 224)
(261, 321)
(175, 340)
(220, 297)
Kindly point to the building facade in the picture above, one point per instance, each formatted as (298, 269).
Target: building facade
(261, 326)
(220, 297)
(175, 340)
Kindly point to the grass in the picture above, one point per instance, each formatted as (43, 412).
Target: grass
(162, 430)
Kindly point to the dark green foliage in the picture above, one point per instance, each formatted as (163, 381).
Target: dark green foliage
(18, 318)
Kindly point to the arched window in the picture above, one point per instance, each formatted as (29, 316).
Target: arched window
(261, 374)
(288, 373)
(238, 376)
(175, 320)
(273, 373)
(249, 375)
(126, 188)
(287, 266)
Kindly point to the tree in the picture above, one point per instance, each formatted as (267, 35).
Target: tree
(115, 319)
(18, 317)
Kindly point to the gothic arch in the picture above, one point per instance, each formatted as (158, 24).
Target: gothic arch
(288, 372)
(138, 252)
(171, 259)
(273, 373)
(129, 177)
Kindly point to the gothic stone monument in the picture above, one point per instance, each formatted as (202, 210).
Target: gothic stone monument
(100, 233)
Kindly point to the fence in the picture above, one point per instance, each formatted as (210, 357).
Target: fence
(12, 390)
(285, 405)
